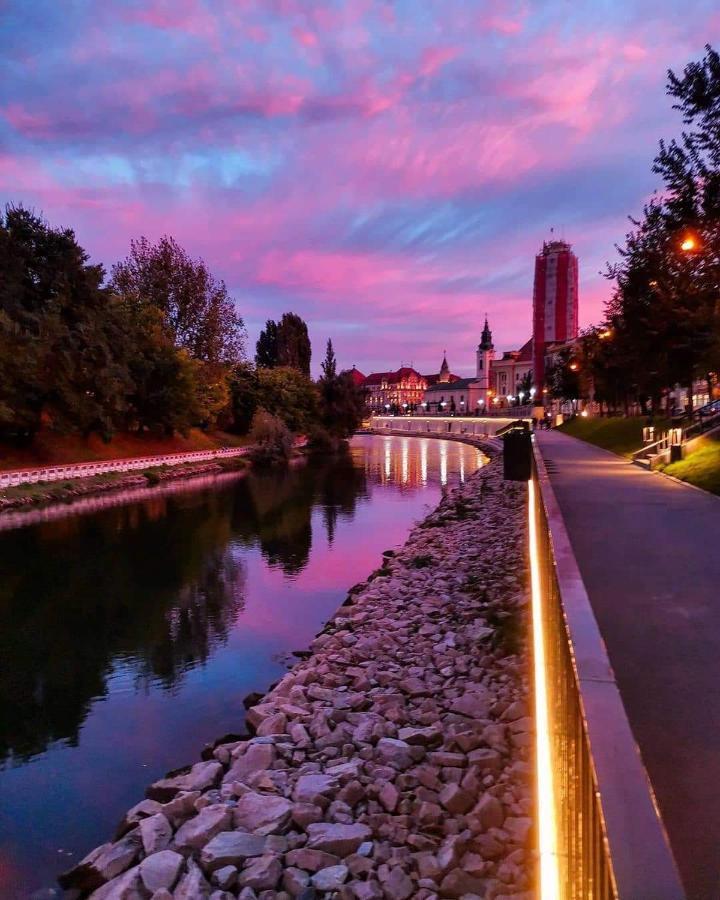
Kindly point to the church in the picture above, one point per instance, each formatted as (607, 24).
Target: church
(516, 377)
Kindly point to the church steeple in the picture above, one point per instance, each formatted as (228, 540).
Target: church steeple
(444, 369)
(486, 339)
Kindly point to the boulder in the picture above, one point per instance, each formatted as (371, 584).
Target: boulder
(310, 860)
(338, 839)
(395, 753)
(103, 864)
(488, 812)
(458, 884)
(330, 879)
(231, 848)
(397, 885)
(201, 776)
(313, 788)
(262, 874)
(160, 870)
(155, 832)
(256, 758)
(455, 799)
(262, 813)
(196, 832)
(193, 885)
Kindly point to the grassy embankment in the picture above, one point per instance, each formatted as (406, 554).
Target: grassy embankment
(701, 467)
(51, 450)
(621, 435)
(56, 450)
(624, 436)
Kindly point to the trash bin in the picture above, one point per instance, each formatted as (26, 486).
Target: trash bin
(517, 455)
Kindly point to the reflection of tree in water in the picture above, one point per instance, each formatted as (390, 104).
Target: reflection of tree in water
(275, 507)
(152, 587)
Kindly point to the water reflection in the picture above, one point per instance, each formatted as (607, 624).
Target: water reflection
(130, 635)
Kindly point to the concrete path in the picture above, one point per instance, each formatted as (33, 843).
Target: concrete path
(648, 549)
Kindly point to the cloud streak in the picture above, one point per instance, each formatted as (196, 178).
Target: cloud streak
(386, 170)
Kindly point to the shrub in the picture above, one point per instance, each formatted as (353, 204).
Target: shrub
(270, 437)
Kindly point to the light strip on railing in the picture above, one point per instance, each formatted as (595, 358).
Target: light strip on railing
(547, 831)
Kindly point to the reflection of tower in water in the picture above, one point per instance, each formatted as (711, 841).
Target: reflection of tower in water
(423, 460)
(443, 463)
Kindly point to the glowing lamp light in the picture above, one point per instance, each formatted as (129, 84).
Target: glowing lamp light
(574, 367)
(689, 244)
(496, 400)
(532, 392)
(584, 413)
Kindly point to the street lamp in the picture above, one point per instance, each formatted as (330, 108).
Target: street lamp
(689, 244)
(574, 367)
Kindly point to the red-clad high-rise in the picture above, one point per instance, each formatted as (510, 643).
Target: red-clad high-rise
(555, 301)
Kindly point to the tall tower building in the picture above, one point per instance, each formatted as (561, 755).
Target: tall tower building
(485, 354)
(555, 301)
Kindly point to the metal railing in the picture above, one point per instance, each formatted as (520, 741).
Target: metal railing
(652, 448)
(87, 470)
(609, 842)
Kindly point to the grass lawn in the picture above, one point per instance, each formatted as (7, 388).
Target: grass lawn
(701, 468)
(53, 449)
(621, 435)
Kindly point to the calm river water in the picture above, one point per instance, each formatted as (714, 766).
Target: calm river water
(132, 626)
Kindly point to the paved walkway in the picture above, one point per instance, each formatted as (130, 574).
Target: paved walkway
(649, 552)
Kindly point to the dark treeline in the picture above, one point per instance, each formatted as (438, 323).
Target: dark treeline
(662, 324)
(158, 346)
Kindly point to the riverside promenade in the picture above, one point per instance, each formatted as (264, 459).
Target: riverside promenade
(647, 549)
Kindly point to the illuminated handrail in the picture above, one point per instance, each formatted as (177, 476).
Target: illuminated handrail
(609, 842)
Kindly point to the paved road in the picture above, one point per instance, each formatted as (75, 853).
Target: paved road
(649, 552)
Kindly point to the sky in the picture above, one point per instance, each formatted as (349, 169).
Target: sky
(385, 168)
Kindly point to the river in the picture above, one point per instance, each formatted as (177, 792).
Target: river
(133, 625)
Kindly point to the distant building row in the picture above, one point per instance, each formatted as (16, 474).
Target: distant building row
(516, 374)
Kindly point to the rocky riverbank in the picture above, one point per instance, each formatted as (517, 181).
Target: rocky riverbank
(392, 762)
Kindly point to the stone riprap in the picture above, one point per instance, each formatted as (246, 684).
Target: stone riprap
(392, 762)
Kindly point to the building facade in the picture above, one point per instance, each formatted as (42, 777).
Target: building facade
(402, 389)
(515, 377)
(555, 302)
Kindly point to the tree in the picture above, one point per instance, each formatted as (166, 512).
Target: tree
(329, 364)
(266, 349)
(270, 437)
(196, 307)
(293, 343)
(665, 310)
(63, 356)
(164, 392)
(289, 395)
(244, 397)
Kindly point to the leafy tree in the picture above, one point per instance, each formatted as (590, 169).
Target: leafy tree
(62, 345)
(244, 397)
(290, 395)
(293, 343)
(266, 349)
(665, 310)
(270, 437)
(329, 364)
(196, 307)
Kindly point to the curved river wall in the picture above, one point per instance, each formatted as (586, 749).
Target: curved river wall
(131, 631)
